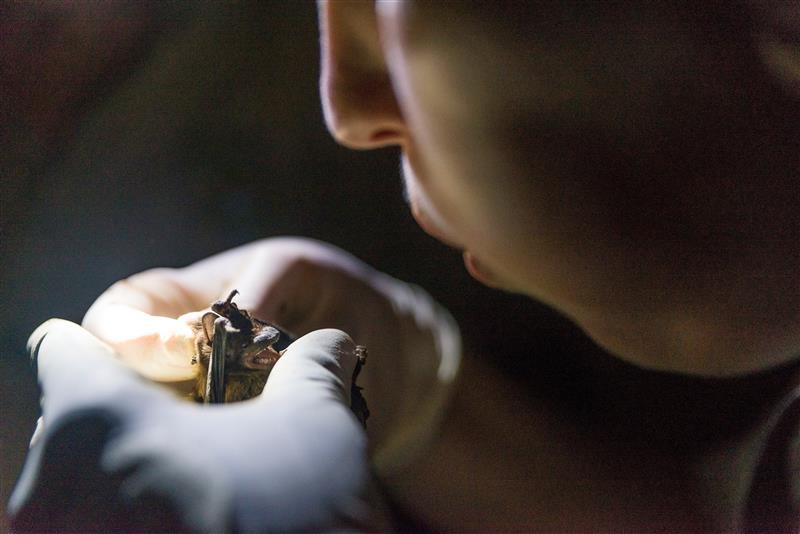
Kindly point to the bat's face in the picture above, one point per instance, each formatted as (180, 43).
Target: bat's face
(234, 352)
(247, 350)
(247, 346)
(248, 362)
(251, 348)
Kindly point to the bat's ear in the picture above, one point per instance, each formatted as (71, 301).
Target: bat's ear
(208, 326)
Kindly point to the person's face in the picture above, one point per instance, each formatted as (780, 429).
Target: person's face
(574, 151)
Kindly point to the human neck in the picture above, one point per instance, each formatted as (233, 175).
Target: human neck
(678, 341)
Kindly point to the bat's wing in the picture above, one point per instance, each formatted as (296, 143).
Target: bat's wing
(215, 382)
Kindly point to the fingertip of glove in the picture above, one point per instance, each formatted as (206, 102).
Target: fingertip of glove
(63, 334)
(37, 337)
(330, 348)
(335, 336)
(333, 340)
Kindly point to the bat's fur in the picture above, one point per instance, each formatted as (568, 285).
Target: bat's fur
(241, 382)
(239, 386)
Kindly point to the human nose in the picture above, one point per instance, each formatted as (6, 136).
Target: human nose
(358, 101)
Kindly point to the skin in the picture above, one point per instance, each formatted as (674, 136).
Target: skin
(635, 169)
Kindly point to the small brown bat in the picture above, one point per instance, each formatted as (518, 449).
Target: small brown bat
(248, 352)
(236, 352)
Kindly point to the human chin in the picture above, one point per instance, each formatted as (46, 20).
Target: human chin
(422, 209)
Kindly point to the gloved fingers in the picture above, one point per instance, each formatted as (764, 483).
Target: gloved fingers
(76, 370)
(319, 364)
(159, 348)
(415, 354)
(193, 317)
(318, 461)
(283, 290)
(37, 432)
(292, 281)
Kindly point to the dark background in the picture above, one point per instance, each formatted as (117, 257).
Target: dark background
(136, 135)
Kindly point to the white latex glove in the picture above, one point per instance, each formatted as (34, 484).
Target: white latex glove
(119, 452)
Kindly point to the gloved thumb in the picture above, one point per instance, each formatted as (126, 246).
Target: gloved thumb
(76, 369)
(319, 364)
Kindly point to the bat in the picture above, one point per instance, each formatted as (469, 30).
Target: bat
(235, 353)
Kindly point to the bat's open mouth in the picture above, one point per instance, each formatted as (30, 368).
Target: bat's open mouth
(260, 360)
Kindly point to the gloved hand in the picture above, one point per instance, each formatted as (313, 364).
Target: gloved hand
(119, 452)
(301, 285)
